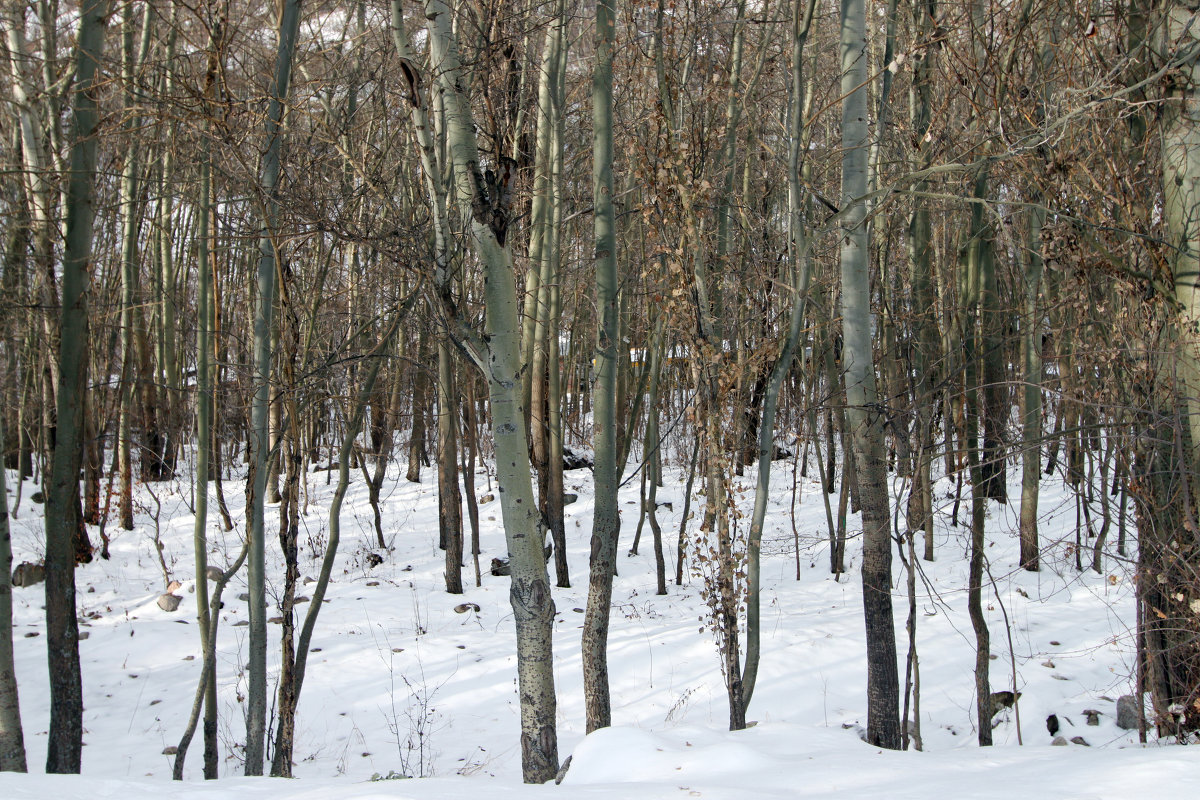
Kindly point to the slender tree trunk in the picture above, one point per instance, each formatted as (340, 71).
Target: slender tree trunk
(1106, 463)
(12, 740)
(540, 330)
(983, 704)
(291, 460)
(383, 414)
(924, 299)
(1031, 405)
(204, 416)
(42, 199)
(606, 523)
(449, 495)
(470, 446)
(1169, 461)
(264, 301)
(485, 202)
(863, 418)
(131, 62)
(554, 503)
(652, 454)
(208, 673)
(63, 513)
(420, 406)
(654, 463)
(681, 540)
(996, 404)
(171, 380)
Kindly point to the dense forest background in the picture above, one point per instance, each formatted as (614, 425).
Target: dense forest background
(899, 241)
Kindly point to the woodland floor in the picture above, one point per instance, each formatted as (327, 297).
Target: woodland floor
(401, 683)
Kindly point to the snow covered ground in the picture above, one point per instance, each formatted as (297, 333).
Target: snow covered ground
(400, 682)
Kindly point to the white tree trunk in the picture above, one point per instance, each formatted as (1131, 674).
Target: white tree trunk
(499, 356)
(862, 409)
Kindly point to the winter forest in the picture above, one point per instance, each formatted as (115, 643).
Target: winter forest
(655, 397)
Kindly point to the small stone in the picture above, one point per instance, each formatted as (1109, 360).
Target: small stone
(241, 623)
(32, 634)
(1093, 716)
(174, 586)
(487, 498)
(1052, 724)
(189, 658)
(1058, 677)
(463, 608)
(302, 599)
(276, 620)
(244, 597)
(28, 574)
(570, 497)
(169, 602)
(1079, 740)
(214, 573)
(170, 750)
(1127, 712)
(37, 497)
(1048, 664)
(1060, 741)
(85, 635)
(1054, 643)
(573, 460)
(372, 583)
(998, 701)
(309, 580)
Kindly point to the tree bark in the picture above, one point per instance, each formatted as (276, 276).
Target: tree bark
(449, 494)
(63, 512)
(12, 740)
(205, 297)
(862, 411)
(1169, 457)
(484, 202)
(417, 455)
(1031, 405)
(264, 301)
(131, 61)
(606, 522)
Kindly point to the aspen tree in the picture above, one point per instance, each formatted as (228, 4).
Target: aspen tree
(863, 414)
